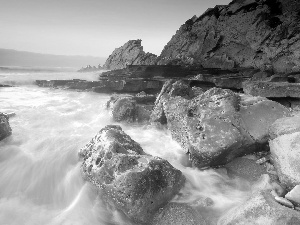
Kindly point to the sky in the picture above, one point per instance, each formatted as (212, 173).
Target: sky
(93, 27)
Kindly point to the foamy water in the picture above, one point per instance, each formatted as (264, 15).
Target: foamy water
(40, 180)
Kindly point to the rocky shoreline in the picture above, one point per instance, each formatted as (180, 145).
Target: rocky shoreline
(227, 87)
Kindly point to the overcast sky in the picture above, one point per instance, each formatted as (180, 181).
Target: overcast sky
(93, 27)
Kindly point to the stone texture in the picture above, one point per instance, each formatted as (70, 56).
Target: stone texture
(131, 53)
(286, 125)
(178, 214)
(261, 209)
(272, 89)
(5, 129)
(246, 33)
(131, 181)
(245, 168)
(218, 125)
(285, 150)
(131, 109)
(294, 195)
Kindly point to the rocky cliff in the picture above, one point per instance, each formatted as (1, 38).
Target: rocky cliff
(263, 34)
(131, 53)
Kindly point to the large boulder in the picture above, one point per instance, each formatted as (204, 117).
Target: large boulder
(246, 33)
(5, 129)
(131, 53)
(285, 150)
(218, 125)
(261, 209)
(130, 180)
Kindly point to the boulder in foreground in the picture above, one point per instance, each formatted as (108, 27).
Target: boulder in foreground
(131, 181)
(217, 125)
(5, 129)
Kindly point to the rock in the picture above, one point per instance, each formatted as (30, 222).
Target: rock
(286, 125)
(5, 129)
(131, 53)
(258, 114)
(217, 126)
(131, 109)
(243, 34)
(294, 195)
(245, 168)
(170, 89)
(130, 180)
(284, 202)
(178, 214)
(272, 89)
(285, 150)
(260, 209)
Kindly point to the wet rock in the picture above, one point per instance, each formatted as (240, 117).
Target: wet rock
(294, 195)
(178, 214)
(218, 125)
(285, 150)
(284, 201)
(261, 209)
(286, 125)
(131, 53)
(272, 89)
(5, 129)
(170, 89)
(245, 168)
(258, 114)
(131, 109)
(130, 180)
(243, 34)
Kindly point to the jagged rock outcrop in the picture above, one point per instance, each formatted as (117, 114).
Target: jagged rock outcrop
(130, 180)
(5, 129)
(131, 53)
(217, 126)
(262, 34)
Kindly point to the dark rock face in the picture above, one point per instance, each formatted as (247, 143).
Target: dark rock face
(245, 33)
(261, 209)
(5, 129)
(131, 53)
(131, 181)
(178, 214)
(218, 125)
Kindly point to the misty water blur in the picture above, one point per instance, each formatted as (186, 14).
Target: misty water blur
(40, 180)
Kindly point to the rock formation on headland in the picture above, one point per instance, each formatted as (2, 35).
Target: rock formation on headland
(262, 34)
(131, 53)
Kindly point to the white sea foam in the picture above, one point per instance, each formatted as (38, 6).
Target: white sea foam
(40, 180)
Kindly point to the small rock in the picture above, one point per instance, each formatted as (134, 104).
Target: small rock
(294, 195)
(284, 201)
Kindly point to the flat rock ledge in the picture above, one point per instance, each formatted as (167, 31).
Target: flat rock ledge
(272, 89)
(130, 180)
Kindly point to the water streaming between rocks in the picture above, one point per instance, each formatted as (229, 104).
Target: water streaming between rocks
(40, 180)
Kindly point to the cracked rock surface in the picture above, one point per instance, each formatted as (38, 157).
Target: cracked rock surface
(132, 181)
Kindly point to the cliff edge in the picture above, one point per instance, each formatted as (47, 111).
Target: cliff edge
(263, 34)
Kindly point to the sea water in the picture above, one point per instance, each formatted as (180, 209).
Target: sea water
(40, 179)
